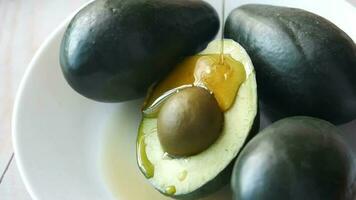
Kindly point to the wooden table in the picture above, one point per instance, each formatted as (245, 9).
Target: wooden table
(24, 25)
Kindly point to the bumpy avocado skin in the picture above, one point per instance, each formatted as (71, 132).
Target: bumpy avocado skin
(113, 50)
(296, 158)
(304, 64)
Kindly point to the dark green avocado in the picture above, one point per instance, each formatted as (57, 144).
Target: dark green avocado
(297, 158)
(305, 65)
(113, 50)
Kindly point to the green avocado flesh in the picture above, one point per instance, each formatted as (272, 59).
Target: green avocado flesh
(297, 158)
(198, 175)
(113, 50)
(305, 65)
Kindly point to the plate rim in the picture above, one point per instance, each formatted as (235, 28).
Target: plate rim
(19, 97)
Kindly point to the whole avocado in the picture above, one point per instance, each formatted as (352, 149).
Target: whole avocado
(297, 158)
(305, 65)
(113, 50)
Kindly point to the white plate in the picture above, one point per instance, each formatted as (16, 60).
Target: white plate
(60, 137)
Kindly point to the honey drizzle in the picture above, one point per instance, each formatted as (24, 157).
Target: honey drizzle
(222, 31)
(145, 164)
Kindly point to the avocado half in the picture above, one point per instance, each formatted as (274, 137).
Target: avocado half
(305, 65)
(296, 158)
(199, 175)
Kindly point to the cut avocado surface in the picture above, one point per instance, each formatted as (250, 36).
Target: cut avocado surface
(200, 174)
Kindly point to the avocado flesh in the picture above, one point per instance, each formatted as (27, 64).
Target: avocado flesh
(113, 50)
(305, 65)
(201, 174)
(296, 158)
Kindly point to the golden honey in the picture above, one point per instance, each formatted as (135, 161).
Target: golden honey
(222, 76)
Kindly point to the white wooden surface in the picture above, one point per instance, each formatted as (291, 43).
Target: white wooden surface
(24, 24)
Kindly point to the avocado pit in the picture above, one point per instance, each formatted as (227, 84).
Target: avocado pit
(189, 122)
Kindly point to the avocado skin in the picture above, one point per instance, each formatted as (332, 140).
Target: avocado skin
(113, 50)
(304, 64)
(296, 158)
